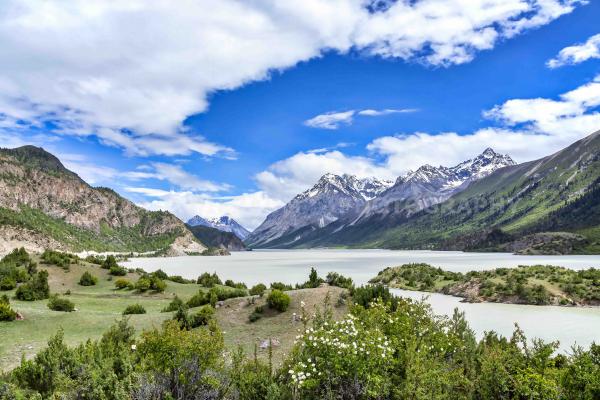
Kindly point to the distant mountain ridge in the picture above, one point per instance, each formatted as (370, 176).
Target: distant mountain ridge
(213, 237)
(338, 201)
(532, 204)
(223, 223)
(331, 198)
(43, 204)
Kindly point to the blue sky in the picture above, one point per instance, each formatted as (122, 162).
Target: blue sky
(238, 116)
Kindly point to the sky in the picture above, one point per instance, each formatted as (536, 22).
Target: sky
(233, 107)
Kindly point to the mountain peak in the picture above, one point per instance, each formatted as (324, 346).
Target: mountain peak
(37, 157)
(223, 223)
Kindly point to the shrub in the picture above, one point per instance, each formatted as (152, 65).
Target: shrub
(8, 283)
(117, 270)
(278, 300)
(254, 316)
(36, 289)
(87, 279)
(157, 284)
(143, 284)
(122, 283)
(160, 274)
(202, 317)
(197, 300)
(60, 259)
(109, 262)
(59, 304)
(174, 305)
(335, 279)
(93, 259)
(365, 295)
(208, 280)
(134, 309)
(6, 312)
(180, 279)
(258, 290)
(281, 286)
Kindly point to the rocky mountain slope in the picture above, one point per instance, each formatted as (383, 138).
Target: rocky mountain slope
(42, 204)
(558, 193)
(340, 203)
(213, 237)
(224, 224)
(332, 198)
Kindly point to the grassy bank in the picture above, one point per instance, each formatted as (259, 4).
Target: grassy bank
(100, 305)
(540, 284)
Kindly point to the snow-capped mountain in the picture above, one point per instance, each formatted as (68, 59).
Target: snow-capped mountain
(430, 185)
(347, 200)
(224, 223)
(332, 197)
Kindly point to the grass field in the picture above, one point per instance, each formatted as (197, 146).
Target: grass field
(101, 305)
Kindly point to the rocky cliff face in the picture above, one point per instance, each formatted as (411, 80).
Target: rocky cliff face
(35, 184)
(331, 198)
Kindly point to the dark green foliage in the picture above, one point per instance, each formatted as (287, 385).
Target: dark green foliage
(281, 286)
(256, 314)
(313, 281)
(366, 295)
(238, 285)
(278, 300)
(94, 259)
(134, 309)
(215, 294)
(188, 321)
(6, 312)
(60, 304)
(335, 279)
(58, 258)
(117, 270)
(109, 262)
(208, 280)
(35, 289)
(8, 283)
(88, 279)
(160, 274)
(174, 305)
(258, 290)
(180, 279)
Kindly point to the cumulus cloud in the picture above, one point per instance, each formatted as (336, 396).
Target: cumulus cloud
(131, 72)
(334, 119)
(249, 209)
(577, 53)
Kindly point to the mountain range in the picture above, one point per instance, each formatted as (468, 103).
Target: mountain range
(332, 198)
(489, 203)
(44, 205)
(341, 201)
(224, 224)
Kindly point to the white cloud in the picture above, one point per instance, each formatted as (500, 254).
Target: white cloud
(131, 72)
(331, 120)
(334, 119)
(249, 209)
(577, 54)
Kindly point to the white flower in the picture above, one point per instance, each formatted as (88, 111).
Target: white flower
(133, 347)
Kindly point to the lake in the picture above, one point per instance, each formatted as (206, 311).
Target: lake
(568, 325)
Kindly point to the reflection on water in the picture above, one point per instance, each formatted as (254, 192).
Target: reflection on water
(569, 325)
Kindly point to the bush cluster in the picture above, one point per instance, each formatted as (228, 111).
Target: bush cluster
(150, 282)
(215, 294)
(60, 304)
(6, 312)
(258, 290)
(122, 283)
(58, 258)
(16, 267)
(208, 280)
(88, 279)
(134, 309)
(35, 289)
(278, 300)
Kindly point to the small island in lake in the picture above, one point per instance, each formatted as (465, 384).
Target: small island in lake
(538, 285)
